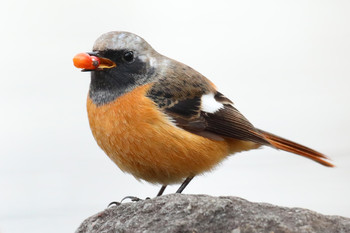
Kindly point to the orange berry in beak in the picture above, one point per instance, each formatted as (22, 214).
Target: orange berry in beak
(85, 61)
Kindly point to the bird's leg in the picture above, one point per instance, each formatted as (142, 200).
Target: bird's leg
(184, 184)
(161, 191)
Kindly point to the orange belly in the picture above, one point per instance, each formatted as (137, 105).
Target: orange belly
(143, 141)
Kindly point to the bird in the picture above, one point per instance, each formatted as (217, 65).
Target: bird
(162, 121)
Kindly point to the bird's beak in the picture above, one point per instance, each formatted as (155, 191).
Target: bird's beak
(91, 61)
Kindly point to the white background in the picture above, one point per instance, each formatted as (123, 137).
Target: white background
(285, 64)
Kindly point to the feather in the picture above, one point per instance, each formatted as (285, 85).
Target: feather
(293, 147)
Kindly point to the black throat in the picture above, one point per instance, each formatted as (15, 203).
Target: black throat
(105, 88)
(107, 85)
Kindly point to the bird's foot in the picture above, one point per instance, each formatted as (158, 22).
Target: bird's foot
(132, 198)
(113, 203)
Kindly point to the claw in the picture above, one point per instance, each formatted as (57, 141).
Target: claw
(113, 203)
(132, 198)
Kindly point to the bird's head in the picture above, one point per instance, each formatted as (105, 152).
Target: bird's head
(118, 63)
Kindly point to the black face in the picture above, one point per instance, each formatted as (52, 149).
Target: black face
(109, 83)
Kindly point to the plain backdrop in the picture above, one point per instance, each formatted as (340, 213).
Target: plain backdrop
(285, 65)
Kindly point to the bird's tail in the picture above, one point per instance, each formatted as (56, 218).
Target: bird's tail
(286, 145)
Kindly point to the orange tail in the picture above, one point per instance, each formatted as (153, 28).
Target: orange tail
(286, 145)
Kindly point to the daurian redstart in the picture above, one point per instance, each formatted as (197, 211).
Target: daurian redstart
(161, 120)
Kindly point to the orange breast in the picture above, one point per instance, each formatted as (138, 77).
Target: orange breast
(143, 141)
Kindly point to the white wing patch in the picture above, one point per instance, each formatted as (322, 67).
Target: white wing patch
(209, 104)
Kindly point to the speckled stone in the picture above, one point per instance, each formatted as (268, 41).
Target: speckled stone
(201, 213)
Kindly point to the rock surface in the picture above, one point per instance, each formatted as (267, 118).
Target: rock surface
(200, 213)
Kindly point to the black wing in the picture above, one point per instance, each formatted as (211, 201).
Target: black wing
(179, 93)
(225, 122)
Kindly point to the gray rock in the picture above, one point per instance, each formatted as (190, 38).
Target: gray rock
(200, 213)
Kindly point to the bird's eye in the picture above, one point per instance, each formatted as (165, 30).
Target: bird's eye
(128, 56)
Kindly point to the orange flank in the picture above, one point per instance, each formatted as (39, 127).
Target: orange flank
(143, 141)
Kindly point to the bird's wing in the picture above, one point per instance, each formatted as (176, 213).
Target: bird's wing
(195, 105)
